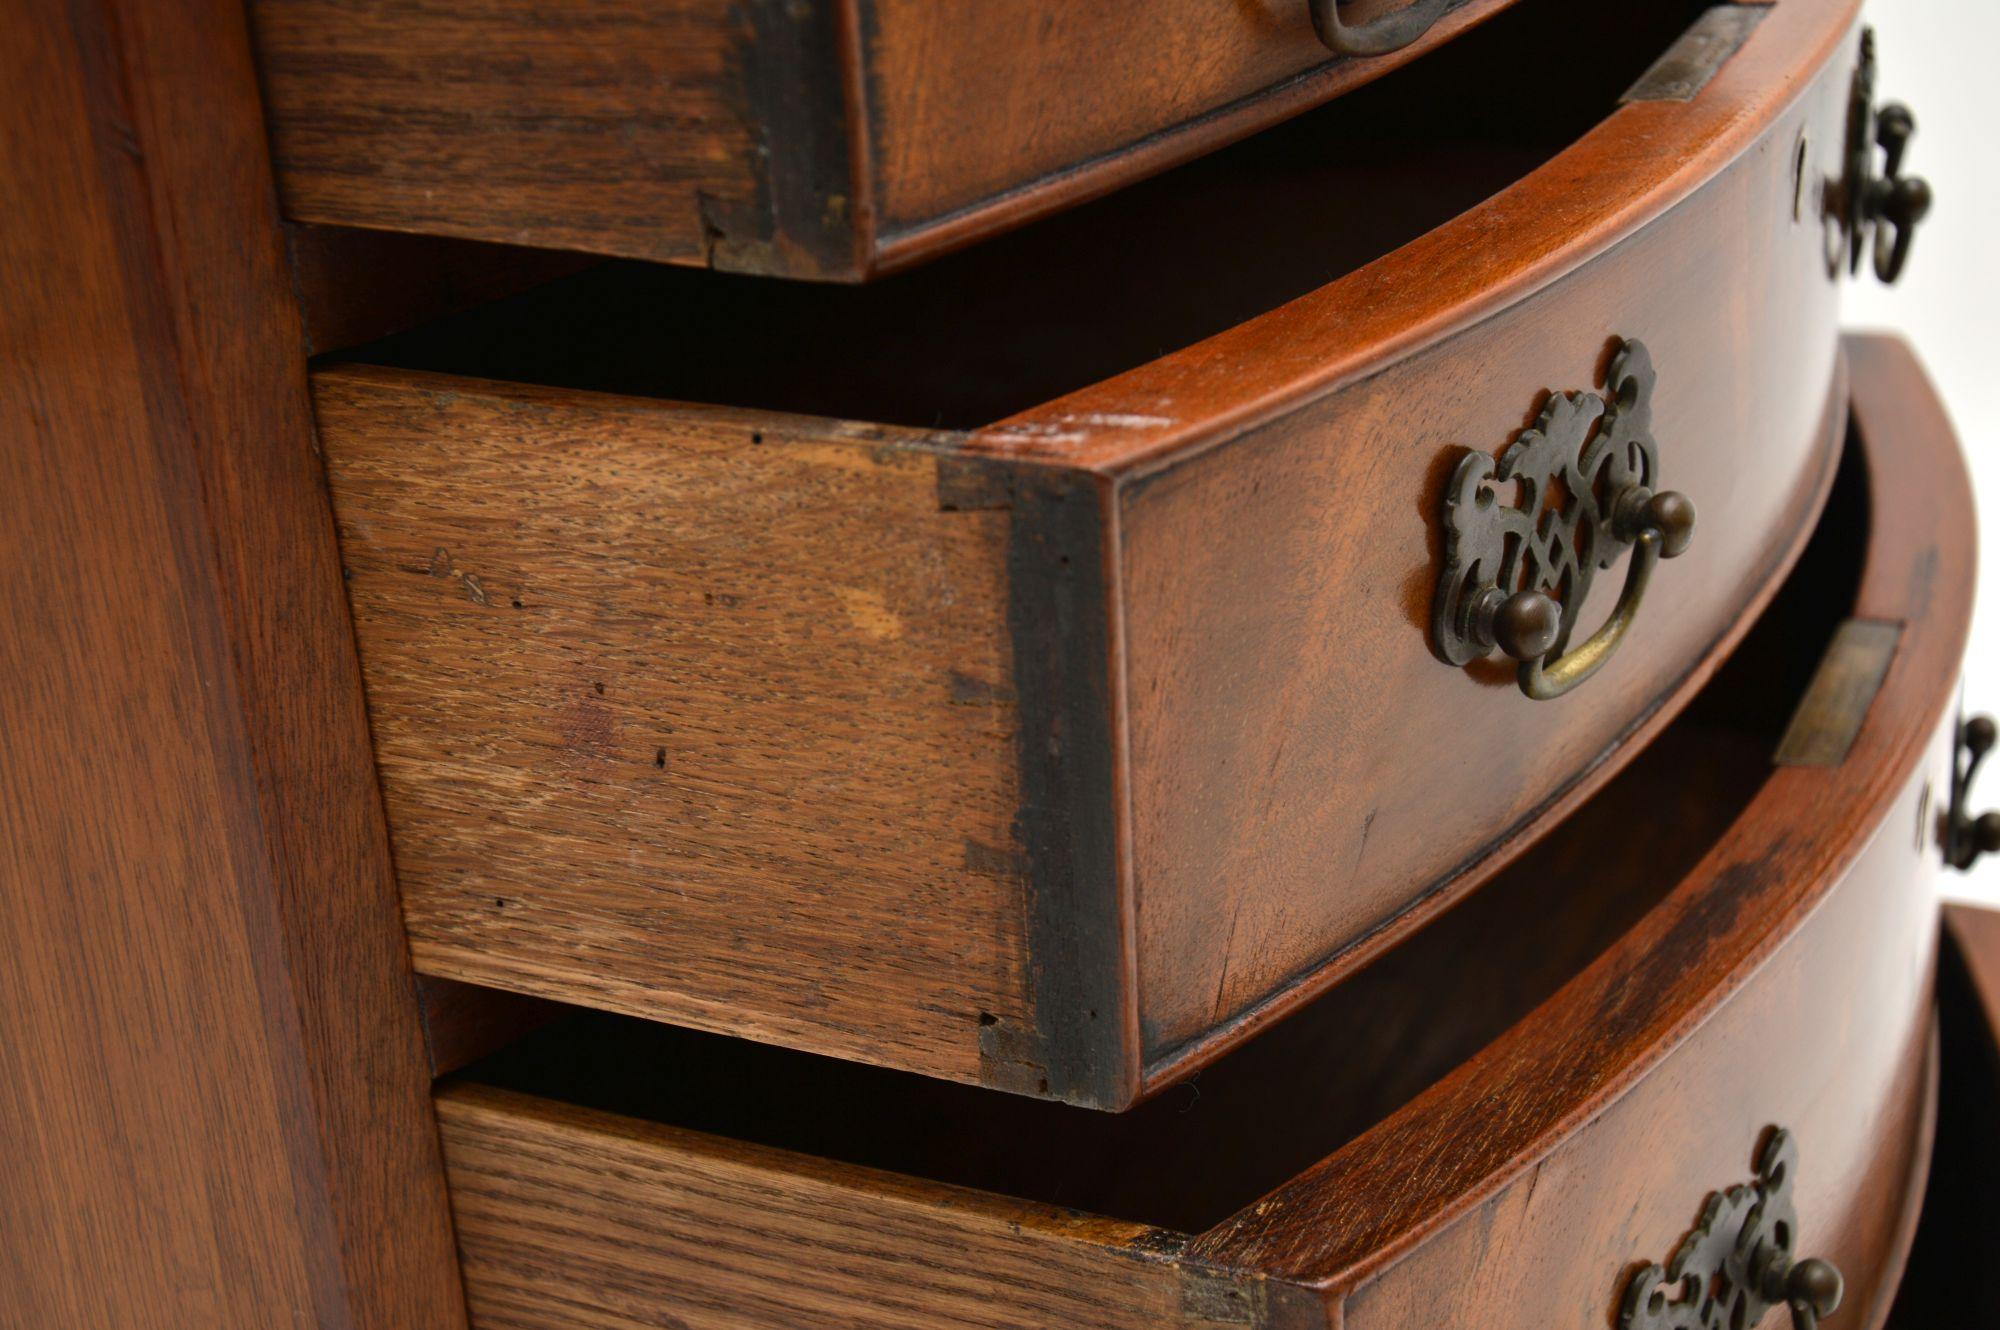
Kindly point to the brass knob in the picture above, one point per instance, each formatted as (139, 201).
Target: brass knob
(1669, 512)
(1527, 624)
(1985, 834)
(1902, 204)
(1812, 1289)
(1907, 202)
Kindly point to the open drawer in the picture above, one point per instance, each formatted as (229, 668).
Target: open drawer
(830, 140)
(875, 710)
(1501, 1123)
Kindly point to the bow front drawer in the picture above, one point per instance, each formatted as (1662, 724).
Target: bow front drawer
(832, 140)
(875, 710)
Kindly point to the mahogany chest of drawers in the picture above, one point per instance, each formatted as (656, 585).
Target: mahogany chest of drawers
(1001, 665)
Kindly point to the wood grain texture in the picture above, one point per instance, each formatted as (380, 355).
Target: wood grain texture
(766, 137)
(690, 713)
(214, 1106)
(985, 115)
(1848, 1077)
(509, 121)
(1605, 187)
(1785, 978)
(1726, 955)
(1356, 782)
(1277, 771)
(578, 1219)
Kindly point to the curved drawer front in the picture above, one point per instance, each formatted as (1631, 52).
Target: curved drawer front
(1830, 1040)
(1527, 1104)
(1059, 754)
(1303, 768)
(1785, 983)
(826, 141)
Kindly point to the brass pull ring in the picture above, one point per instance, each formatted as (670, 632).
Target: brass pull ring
(1516, 571)
(1380, 35)
(1665, 525)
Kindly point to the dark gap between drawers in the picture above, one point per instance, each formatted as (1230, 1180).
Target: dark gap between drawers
(993, 330)
(1202, 1150)
(1948, 1281)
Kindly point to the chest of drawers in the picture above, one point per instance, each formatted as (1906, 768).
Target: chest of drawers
(1291, 679)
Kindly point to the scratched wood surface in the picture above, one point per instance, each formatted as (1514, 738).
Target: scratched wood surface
(830, 141)
(688, 713)
(1783, 979)
(1279, 781)
(214, 1105)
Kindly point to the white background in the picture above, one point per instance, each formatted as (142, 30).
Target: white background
(1942, 58)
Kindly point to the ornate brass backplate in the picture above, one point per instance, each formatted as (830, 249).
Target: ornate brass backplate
(1736, 1263)
(1516, 572)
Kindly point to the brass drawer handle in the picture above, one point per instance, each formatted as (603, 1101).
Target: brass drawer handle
(1870, 211)
(1736, 1263)
(1967, 837)
(1516, 574)
(1379, 35)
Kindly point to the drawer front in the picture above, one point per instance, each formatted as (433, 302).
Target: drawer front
(972, 102)
(826, 141)
(1307, 777)
(1832, 1040)
(1783, 981)
(1061, 754)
